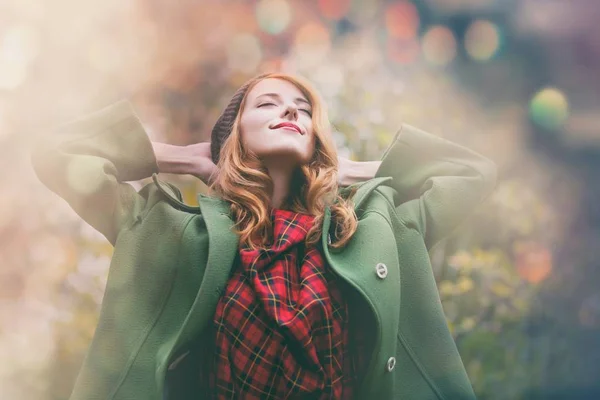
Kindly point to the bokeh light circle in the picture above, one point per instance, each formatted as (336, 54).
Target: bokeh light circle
(312, 44)
(549, 108)
(334, 9)
(482, 40)
(19, 46)
(402, 20)
(439, 45)
(533, 261)
(273, 16)
(363, 13)
(403, 51)
(244, 53)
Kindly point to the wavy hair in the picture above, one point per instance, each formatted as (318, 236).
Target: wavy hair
(245, 183)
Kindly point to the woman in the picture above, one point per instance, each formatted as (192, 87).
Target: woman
(281, 284)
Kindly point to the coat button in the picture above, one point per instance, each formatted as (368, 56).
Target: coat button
(381, 270)
(391, 363)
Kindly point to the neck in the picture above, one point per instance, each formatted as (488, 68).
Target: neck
(281, 176)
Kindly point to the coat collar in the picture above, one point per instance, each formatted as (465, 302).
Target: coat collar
(365, 189)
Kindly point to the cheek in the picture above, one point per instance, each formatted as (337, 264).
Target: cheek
(255, 121)
(250, 131)
(246, 125)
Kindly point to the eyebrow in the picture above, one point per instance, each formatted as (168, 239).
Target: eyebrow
(297, 99)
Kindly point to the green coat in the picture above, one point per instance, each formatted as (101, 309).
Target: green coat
(171, 261)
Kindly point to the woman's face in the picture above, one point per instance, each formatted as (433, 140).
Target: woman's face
(276, 123)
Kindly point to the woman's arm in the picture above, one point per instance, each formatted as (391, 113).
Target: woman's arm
(87, 161)
(447, 180)
(192, 159)
(173, 159)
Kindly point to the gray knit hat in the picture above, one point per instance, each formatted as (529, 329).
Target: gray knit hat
(224, 124)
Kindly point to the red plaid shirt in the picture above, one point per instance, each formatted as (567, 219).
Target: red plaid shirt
(281, 327)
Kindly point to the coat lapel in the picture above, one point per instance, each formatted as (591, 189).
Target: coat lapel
(366, 188)
(222, 248)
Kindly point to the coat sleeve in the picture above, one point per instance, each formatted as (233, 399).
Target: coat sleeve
(87, 161)
(442, 180)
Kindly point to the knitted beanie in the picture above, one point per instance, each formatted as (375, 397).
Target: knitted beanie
(224, 124)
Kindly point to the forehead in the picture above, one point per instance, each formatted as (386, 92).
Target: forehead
(281, 87)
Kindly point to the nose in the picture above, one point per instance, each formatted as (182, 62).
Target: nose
(291, 112)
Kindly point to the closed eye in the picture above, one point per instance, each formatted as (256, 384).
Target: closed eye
(308, 112)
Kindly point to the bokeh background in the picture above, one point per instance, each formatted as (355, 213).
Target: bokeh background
(517, 80)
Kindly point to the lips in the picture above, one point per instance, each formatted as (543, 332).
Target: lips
(288, 125)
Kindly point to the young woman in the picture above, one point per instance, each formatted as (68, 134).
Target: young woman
(282, 283)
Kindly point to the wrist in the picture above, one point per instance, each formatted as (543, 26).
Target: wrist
(360, 171)
(172, 159)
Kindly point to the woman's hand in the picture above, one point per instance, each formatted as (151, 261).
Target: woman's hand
(201, 163)
(350, 172)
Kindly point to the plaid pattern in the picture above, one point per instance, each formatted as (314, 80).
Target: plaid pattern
(281, 327)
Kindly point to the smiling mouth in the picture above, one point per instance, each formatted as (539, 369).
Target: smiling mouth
(288, 126)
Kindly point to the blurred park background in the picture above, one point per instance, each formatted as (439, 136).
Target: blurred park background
(517, 80)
